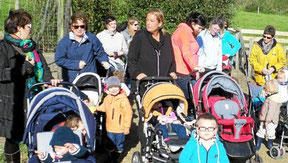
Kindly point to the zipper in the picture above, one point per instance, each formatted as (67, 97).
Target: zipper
(158, 61)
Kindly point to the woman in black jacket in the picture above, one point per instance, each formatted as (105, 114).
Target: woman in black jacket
(21, 66)
(150, 52)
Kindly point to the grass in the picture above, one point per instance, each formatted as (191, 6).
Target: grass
(249, 20)
(23, 149)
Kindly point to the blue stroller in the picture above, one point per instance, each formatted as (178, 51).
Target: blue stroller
(48, 109)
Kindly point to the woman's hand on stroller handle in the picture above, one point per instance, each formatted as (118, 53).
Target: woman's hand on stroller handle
(53, 83)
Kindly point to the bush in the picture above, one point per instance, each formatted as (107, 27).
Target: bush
(175, 11)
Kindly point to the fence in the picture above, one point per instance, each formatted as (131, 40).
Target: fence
(50, 22)
(248, 37)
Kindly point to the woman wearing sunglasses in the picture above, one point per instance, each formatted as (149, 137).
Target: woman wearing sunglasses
(267, 57)
(77, 52)
(204, 144)
(21, 66)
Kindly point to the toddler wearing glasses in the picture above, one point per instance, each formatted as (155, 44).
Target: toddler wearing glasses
(204, 144)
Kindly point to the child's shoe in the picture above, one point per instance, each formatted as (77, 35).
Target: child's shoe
(258, 144)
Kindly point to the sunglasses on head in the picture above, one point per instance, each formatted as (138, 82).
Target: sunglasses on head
(267, 37)
(77, 26)
(210, 129)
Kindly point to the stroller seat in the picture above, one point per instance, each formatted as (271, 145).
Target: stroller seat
(235, 127)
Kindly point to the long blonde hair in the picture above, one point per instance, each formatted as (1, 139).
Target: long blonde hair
(160, 17)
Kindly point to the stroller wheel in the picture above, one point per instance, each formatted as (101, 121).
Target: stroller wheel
(136, 158)
(282, 151)
(275, 152)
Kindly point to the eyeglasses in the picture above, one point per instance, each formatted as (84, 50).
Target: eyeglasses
(77, 26)
(267, 37)
(29, 26)
(135, 24)
(210, 129)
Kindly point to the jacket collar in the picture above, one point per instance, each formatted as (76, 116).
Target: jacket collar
(261, 45)
(157, 45)
(72, 37)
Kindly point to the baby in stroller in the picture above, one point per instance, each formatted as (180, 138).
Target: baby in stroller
(66, 147)
(163, 118)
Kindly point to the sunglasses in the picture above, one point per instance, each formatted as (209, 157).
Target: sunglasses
(210, 129)
(135, 24)
(29, 26)
(78, 26)
(267, 37)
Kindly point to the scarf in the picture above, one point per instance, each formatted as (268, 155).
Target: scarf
(28, 48)
(267, 48)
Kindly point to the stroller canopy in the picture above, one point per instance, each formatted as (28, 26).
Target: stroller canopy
(227, 84)
(48, 104)
(162, 91)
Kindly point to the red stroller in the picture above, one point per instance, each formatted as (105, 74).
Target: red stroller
(220, 95)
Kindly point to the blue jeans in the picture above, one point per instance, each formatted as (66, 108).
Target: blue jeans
(118, 140)
(178, 129)
(183, 83)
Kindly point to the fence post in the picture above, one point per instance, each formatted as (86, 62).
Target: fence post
(60, 19)
(249, 66)
(67, 16)
(17, 4)
(237, 54)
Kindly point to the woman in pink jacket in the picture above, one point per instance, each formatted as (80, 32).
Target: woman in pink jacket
(185, 49)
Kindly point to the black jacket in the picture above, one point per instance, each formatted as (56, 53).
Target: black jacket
(150, 57)
(14, 71)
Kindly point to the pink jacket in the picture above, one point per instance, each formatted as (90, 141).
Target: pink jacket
(185, 49)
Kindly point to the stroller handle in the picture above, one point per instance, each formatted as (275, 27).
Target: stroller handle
(154, 78)
(63, 83)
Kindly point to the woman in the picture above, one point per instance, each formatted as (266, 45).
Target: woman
(150, 52)
(267, 57)
(113, 42)
(185, 49)
(77, 52)
(230, 46)
(21, 66)
(132, 28)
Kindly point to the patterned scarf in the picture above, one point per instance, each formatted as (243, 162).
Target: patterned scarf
(28, 48)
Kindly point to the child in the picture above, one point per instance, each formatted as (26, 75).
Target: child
(204, 143)
(124, 87)
(75, 122)
(66, 147)
(162, 113)
(282, 78)
(269, 115)
(118, 113)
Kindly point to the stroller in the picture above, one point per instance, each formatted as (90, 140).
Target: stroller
(47, 110)
(220, 95)
(153, 148)
(279, 151)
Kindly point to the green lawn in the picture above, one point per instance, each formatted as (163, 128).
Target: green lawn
(248, 20)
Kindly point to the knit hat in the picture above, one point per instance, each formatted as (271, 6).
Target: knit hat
(64, 135)
(113, 81)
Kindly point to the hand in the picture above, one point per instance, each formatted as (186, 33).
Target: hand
(267, 122)
(263, 93)
(173, 75)
(126, 131)
(111, 54)
(141, 76)
(31, 61)
(82, 64)
(159, 118)
(120, 52)
(54, 83)
(200, 69)
(70, 146)
(265, 71)
(106, 65)
(271, 70)
(39, 154)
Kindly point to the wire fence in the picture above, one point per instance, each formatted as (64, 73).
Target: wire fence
(48, 20)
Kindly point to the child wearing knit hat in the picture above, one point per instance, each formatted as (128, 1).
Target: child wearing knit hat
(66, 147)
(118, 113)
